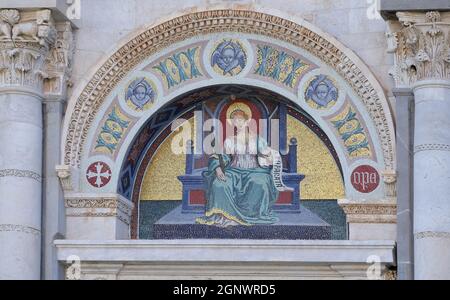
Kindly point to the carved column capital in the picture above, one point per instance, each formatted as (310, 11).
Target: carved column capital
(420, 42)
(34, 51)
(59, 63)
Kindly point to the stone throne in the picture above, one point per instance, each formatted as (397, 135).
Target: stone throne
(194, 196)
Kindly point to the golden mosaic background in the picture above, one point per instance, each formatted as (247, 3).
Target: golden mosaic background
(160, 181)
(323, 179)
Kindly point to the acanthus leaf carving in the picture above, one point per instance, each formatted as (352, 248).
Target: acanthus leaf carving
(421, 47)
(32, 50)
(59, 61)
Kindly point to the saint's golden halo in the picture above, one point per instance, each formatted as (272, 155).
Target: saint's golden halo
(238, 106)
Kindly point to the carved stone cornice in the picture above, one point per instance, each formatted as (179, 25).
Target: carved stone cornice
(421, 45)
(80, 205)
(35, 53)
(374, 212)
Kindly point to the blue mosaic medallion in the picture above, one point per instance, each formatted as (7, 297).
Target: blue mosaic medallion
(229, 58)
(321, 93)
(140, 94)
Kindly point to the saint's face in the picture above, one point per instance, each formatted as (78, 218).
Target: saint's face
(140, 93)
(322, 92)
(239, 122)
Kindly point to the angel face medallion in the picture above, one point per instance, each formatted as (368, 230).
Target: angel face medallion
(229, 57)
(140, 94)
(322, 93)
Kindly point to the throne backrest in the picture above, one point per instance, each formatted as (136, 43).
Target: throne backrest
(198, 162)
(257, 114)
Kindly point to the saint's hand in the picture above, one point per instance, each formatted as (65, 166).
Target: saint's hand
(220, 174)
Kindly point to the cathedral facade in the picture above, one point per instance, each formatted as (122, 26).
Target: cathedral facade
(213, 139)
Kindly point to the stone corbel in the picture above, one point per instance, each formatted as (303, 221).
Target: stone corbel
(375, 220)
(69, 178)
(98, 217)
(390, 183)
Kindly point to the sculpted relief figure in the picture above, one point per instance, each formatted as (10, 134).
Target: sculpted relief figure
(39, 30)
(8, 18)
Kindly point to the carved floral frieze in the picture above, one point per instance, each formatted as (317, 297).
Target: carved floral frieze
(369, 212)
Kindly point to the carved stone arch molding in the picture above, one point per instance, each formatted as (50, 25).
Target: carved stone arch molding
(363, 99)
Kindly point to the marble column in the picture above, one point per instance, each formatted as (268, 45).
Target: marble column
(24, 48)
(432, 179)
(20, 183)
(422, 61)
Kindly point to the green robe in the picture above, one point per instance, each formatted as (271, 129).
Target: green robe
(246, 197)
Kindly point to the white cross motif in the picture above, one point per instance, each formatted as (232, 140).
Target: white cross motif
(98, 174)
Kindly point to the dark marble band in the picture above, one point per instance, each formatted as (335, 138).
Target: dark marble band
(19, 228)
(431, 147)
(21, 174)
(431, 234)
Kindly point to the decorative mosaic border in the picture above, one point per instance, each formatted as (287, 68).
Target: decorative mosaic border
(21, 174)
(19, 228)
(227, 20)
(350, 108)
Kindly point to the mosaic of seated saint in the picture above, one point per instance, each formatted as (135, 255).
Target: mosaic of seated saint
(240, 185)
